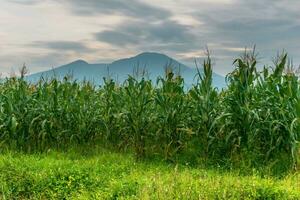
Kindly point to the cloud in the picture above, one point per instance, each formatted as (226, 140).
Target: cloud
(111, 29)
(271, 25)
(62, 45)
(26, 2)
(249, 22)
(164, 34)
(117, 38)
(134, 8)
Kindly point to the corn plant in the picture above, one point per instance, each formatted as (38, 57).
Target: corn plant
(137, 113)
(233, 124)
(276, 104)
(204, 103)
(110, 105)
(171, 109)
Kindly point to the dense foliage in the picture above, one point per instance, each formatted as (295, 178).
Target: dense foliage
(111, 176)
(256, 118)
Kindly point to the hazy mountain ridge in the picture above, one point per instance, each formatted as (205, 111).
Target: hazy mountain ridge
(153, 64)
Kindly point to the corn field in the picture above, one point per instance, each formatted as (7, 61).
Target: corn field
(256, 117)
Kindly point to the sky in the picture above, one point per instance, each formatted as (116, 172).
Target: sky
(49, 33)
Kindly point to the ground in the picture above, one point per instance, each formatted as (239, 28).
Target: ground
(111, 175)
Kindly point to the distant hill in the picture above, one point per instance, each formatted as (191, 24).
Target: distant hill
(151, 65)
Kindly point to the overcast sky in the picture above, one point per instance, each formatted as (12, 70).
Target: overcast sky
(49, 33)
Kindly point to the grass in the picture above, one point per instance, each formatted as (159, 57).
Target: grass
(109, 175)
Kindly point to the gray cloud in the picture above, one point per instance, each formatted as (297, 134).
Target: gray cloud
(225, 27)
(138, 33)
(134, 8)
(26, 2)
(258, 22)
(62, 45)
(271, 25)
(117, 38)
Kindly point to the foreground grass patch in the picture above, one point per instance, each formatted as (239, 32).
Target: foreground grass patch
(117, 176)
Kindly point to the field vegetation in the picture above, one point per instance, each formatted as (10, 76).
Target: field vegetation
(104, 174)
(251, 124)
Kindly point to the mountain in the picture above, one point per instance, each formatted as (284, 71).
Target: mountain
(149, 64)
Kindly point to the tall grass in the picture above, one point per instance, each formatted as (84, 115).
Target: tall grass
(256, 118)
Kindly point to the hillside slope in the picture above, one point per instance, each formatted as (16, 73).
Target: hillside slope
(148, 64)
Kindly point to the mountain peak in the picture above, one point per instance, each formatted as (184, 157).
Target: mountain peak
(147, 60)
(151, 62)
(151, 55)
(79, 62)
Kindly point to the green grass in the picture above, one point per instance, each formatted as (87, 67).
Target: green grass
(109, 175)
